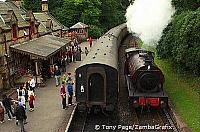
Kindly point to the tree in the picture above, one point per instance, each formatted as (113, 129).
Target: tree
(180, 41)
(184, 5)
(34, 5)
(101, 15)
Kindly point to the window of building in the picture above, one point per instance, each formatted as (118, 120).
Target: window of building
(14, 31)
(32, 28)
(1, 60)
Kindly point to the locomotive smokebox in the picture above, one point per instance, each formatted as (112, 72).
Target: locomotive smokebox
(148, 82)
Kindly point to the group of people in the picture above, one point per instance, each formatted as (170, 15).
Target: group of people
(26, 94)
(16, 109)
(66, 87)
(66, 90)
(72, 54)
(19, 112)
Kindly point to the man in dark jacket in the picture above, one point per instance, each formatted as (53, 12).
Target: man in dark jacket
(63, 64)
(7, 104)
(20, 114)
(57, 76)
(70, 91)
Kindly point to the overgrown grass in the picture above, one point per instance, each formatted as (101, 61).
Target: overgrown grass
(184, 91)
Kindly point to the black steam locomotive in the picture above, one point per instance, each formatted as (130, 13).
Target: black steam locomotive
(144, 79)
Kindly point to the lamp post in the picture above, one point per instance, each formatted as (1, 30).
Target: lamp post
(7, 64)
(7, 61)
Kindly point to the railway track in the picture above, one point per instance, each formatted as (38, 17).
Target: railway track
(170, 120)
(90, 122)
(127, 116)
(78, 122)
(156, 119)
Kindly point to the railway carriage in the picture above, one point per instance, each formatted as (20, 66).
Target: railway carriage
(97, 76)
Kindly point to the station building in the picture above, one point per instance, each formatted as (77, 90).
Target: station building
(79, 30)
(21, 27)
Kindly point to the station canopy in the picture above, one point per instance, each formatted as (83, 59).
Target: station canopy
(41, 48)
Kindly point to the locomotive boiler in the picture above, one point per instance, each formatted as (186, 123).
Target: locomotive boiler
(144, 79)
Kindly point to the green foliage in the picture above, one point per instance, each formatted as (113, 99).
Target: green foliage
(53, 3)
(34, 5)
(101, 15)
(95, 31)
(180, 41)
(184, 5)
(183, 89)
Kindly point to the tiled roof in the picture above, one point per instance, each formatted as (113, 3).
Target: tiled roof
(42, 47)
(79, 25)
(5, 7)
(43, 17)
(2, 22)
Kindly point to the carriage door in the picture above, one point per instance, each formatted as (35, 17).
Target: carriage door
(96, 88)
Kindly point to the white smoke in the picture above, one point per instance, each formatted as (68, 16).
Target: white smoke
(148, 18)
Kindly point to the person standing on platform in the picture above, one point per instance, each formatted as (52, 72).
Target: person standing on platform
(74, 55)
(63, 64)
(86, 51)
(67, 55)
(70, 55)
(57, 76)
(2, 112)
(32, 84)
(20, 92)
(51, 70)
(70, 91)
(72, 45)
(78, 55)
(21, 117)
(26, 88)
(63, 94)
(31, 100)
(64, 78)
(90, 41)
(69, 76)
(75, 41)
(7, 101)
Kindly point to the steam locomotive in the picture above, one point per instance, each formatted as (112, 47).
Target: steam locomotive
(144, 79)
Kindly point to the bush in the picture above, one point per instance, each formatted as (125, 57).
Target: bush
(180, 41)
(95, 32)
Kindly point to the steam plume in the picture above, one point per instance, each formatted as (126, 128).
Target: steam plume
(148, 18)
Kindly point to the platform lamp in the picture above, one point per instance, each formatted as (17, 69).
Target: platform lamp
(8, 67)
(7, 57)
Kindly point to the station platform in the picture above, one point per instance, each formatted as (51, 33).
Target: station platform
(48, 115)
